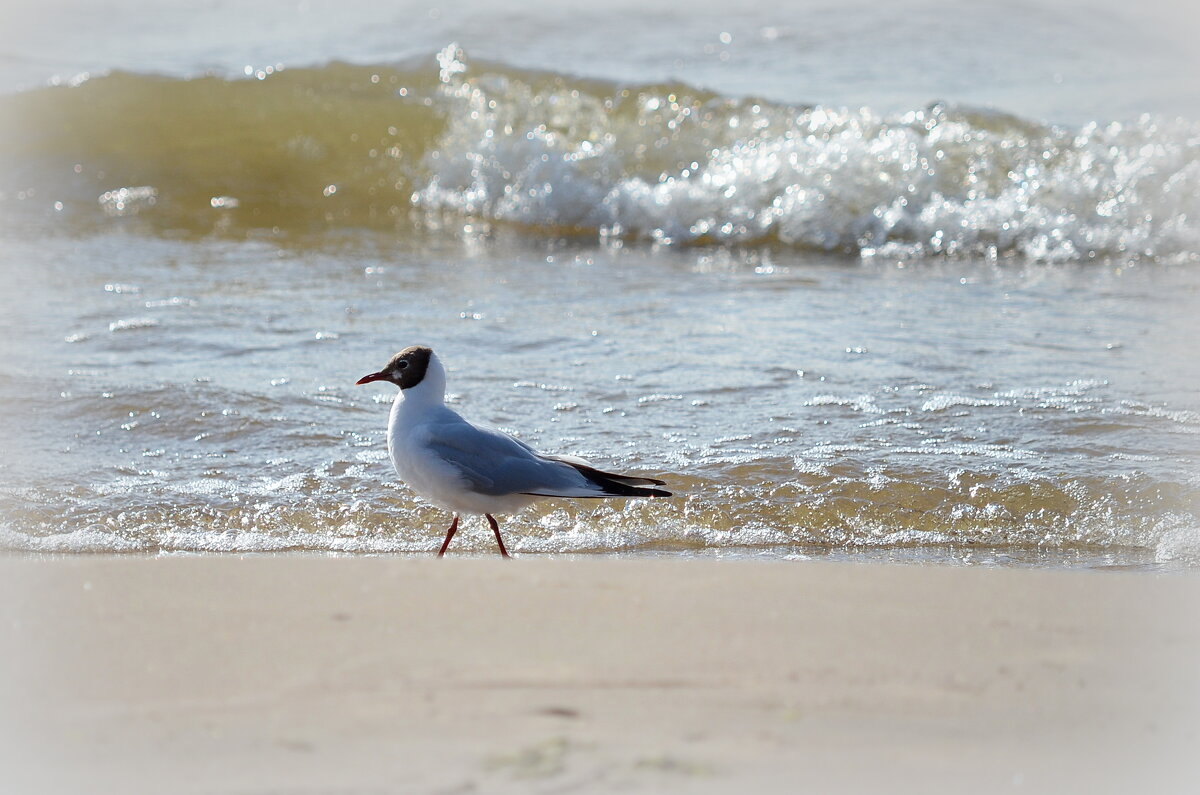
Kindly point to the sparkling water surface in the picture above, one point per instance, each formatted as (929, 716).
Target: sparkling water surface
(784, 258)
(199, 395)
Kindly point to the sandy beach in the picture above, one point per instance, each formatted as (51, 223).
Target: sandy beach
(294, 674)
(899, 300)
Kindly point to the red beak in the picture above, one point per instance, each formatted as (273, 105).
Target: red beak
(366, 379)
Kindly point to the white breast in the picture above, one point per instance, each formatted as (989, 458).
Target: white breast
(425, 472)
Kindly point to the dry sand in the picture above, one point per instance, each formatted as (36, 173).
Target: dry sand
(376, 675)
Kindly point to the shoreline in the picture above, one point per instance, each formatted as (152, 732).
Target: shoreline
(291, 673)
(1121, 559)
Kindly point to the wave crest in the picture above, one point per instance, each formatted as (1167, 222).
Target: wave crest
(458, 142)
(940, 180)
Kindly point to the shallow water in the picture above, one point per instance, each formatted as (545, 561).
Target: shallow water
(909, 331)
(198, 395)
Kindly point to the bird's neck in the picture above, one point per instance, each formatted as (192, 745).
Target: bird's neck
(430, 393)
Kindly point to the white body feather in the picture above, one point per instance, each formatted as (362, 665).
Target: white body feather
(466, 468)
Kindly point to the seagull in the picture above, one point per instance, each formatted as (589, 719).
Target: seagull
(468, 468)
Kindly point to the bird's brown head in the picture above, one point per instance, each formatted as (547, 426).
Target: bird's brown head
(406, 369)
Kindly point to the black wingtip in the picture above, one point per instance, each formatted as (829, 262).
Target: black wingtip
(616, 488)
(615, 485)
(621, 490)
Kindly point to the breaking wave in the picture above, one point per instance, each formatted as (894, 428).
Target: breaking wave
(816, 510)
(484, 145)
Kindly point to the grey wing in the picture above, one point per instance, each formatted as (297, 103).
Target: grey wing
(493, 463)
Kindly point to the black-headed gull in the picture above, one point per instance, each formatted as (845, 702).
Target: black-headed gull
(467, 468)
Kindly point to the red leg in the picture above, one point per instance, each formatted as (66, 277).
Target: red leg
(449, 535)
(496, 529)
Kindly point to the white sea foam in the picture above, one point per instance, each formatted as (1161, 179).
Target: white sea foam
(863, 403)
(934, 181)
(132, 324)
(943, 402)
(128, 201)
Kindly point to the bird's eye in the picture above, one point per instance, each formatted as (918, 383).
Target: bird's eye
(402, 365)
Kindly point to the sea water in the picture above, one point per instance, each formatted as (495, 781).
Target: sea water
(912, 283)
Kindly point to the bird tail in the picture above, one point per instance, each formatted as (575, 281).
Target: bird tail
(614, 485)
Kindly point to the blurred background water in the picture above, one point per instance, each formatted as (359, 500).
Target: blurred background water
(917, 283)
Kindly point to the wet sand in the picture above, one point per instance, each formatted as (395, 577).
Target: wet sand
(295, 674)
